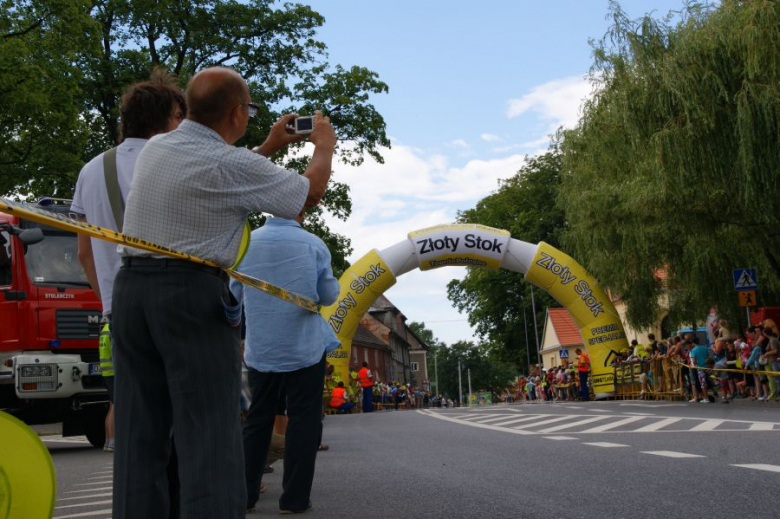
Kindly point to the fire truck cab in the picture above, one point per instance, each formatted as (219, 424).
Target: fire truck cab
(50, 323)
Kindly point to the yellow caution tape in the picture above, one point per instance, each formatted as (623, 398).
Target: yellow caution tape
(61, 221)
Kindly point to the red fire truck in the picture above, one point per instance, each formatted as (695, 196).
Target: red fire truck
(49, 329)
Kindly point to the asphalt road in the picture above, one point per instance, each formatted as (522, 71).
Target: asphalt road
(591, 460)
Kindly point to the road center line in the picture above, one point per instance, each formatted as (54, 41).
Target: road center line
(605, 444)
(673, 454)
(759, 466)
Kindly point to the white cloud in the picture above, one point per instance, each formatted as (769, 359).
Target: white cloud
(410, 191)
(556, 101)
(459, 143)
(489, 137)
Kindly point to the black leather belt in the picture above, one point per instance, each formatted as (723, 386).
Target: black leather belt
(132, 262)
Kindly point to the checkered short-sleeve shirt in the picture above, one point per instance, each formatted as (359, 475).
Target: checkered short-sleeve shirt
(192, 192)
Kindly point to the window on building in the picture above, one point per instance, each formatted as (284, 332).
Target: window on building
(415, 366)
(5, 259)
(354, 355)
(365, 354)
(376, 357)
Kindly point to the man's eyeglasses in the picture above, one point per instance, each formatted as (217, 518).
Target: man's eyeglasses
(252, 108)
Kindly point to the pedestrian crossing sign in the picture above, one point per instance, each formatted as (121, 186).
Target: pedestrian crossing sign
(564, 354)
(745, 279)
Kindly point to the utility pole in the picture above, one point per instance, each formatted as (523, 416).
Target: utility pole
(469, 373)
(460, 385)
(436, 372)
(536, 329)
(527, 345)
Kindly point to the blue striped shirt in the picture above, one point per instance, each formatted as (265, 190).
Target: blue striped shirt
(281, 336)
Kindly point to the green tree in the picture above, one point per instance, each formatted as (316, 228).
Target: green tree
(498, 302)
(673, 167)
(488, 373)
(42, 135)
(273, 46)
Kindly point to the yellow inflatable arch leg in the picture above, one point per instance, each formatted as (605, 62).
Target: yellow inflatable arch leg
(485, 247)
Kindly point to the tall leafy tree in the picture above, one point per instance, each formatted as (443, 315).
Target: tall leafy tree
(488, 372)
(272, 45)
(671, 179)
(41, 133)
(498, 302)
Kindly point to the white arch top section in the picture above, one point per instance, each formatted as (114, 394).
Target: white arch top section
(402, 257)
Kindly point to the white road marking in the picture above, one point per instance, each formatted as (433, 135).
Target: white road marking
(559, 438)
(101, 477)
(573, 424)
(482, 419)
(673, 454)
(543, 422)
(762, 426)
(658, 425)
(759, 466)
(614, 425)
(93, 483)
(707, 425)
(641, 414)
(88, 490)
(84, 514)
(84, 497)
(605, 444)
(69, 439)
(107, 502)
(481, 426)
(523, 419)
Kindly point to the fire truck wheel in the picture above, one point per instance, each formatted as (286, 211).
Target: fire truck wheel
(95, 429)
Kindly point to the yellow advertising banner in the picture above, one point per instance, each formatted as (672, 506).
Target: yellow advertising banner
(360, 285)
(568, 283)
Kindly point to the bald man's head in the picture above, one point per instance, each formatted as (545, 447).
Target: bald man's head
(212, 93)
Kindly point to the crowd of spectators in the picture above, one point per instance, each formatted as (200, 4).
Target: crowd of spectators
(735, 365)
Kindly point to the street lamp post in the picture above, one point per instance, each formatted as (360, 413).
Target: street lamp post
(460, 385)
(536, 329)
(436, 372)
(527, 346)
(469, 372)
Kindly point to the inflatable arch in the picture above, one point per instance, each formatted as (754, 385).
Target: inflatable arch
(480, 246)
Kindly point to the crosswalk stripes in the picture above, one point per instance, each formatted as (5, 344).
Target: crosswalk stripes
(605, 444)
(80, 502)
(549, 422)
(57, 438)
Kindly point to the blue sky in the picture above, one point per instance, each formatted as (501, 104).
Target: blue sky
(474, 88)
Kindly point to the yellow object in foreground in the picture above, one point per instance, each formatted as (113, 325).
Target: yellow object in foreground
(60, 221)
(27, 480)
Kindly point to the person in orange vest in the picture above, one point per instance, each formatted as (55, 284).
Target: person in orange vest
(338, 399)
(367, 383)
(583, 367)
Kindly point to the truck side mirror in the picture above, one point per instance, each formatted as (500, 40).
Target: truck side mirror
(31, 236)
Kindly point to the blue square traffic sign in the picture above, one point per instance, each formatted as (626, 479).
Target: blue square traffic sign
(745, 279)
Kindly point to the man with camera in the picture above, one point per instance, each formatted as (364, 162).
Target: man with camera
(178, 357)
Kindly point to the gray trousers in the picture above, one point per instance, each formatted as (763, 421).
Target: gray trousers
(177, 371)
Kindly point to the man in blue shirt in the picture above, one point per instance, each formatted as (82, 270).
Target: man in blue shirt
(285, 352)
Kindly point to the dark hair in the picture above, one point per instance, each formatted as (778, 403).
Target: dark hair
(146, 107)
(651, 336)
(365, 364)
(210, 106)
(341, 384)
